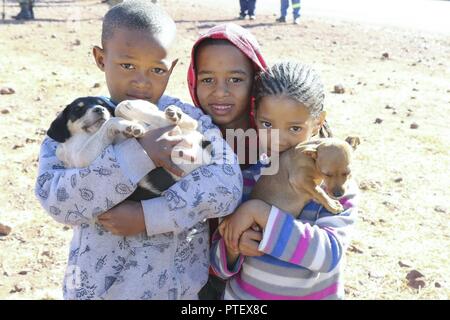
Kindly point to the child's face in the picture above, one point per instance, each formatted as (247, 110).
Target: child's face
(224, 84)
(291, 118)
(136, 65)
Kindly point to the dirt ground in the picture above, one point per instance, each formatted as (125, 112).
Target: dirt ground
(397, 105)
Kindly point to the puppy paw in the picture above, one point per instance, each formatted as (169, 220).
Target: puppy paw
(123, 110)
(335, 207)
(173, 114)
(134, 131)
(135, 109)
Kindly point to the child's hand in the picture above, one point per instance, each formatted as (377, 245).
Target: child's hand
(125, 219)
(235, 225)
(252, 214)
(158, 144)
(249, 243)
(223, 225)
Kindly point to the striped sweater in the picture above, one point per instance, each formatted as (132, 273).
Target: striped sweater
(303, 259)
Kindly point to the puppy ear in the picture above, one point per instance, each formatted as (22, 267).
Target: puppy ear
(58, 129)
(310, 151)
(110, 109)
(353, 141)
(309, 148)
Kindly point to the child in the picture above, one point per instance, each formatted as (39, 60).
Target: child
(299, 258)
(224, 62)
(158, 248)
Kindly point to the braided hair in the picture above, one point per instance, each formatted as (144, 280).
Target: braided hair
(297, 81)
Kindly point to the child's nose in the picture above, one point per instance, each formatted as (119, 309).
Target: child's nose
(142, 80)
(283, 139)
(221, 89)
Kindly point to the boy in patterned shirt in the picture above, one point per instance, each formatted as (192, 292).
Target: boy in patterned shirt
(157, 248)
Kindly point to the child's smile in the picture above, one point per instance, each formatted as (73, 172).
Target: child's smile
(220, 109)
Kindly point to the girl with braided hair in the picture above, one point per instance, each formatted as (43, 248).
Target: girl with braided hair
(292, 258)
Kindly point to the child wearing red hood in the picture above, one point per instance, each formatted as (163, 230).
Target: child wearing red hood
(224, 62)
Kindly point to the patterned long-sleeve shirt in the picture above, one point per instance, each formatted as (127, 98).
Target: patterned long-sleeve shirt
(170, 260)
(303, 258)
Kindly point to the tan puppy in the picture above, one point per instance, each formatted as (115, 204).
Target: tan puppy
(302, 170)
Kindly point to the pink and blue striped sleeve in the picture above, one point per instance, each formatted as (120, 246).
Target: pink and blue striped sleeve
(218, 256)
(319, 246)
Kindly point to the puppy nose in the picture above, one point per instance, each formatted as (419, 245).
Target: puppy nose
(338, 193)
(98, 110)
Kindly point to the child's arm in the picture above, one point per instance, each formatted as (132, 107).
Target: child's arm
(210, 191)
(249, 213)
(224, 262)
(76, 196)
(319, 247)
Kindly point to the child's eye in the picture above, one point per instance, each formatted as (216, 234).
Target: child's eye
(266, 124)
(207, 80)
(158, 71)
(235, 80)
(128, 66)
(295, 129)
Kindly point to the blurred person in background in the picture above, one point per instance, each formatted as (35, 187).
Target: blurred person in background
(26, 10)
(295, 10)
(247, 8)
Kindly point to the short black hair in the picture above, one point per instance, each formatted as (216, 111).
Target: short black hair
(139, 15)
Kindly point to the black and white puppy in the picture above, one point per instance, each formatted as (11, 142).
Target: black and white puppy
(87, 126)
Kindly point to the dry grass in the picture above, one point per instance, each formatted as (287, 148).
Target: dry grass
(403, 222)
